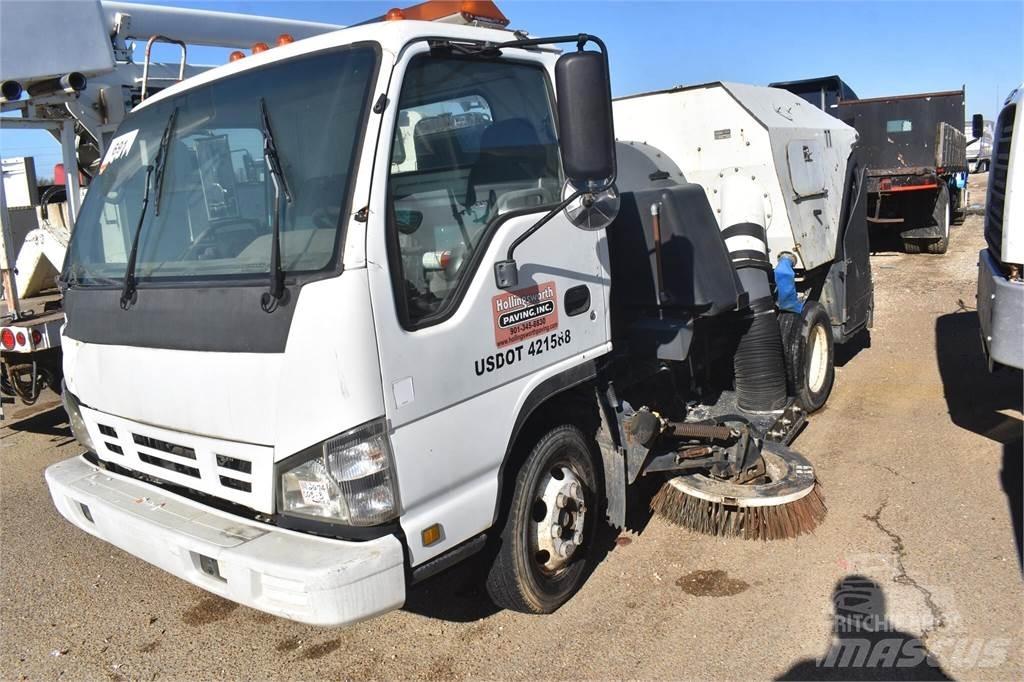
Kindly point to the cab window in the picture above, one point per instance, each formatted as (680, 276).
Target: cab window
(475, 139)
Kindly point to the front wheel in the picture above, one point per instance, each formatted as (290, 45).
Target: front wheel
(548, 535)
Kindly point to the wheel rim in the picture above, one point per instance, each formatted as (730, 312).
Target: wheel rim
(558, 515)
(817, 365)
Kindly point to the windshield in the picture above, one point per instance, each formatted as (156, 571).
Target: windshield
(212, 216)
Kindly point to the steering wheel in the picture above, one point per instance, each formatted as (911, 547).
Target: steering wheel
(193, 250)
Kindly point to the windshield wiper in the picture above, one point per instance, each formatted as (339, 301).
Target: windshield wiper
(271, 298)
(155, 169)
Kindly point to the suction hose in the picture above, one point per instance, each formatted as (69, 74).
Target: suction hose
(758, 364)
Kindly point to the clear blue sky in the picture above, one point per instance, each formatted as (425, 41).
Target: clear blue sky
(879, 48)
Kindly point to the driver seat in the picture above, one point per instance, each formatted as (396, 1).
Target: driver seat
(512, 157)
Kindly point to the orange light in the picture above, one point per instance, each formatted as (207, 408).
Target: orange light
(259, 47)
(236, 55)
(285, 38)
(484, 11)
(431, 535)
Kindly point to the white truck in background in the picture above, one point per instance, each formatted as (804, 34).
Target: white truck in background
(1001, 262)
(979, 149)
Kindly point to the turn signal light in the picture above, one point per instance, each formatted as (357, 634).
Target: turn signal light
(259, 47)
(236, 55)
(431, 535)
(36, 337)
(7, 339)
(285, 38)
(21, 338)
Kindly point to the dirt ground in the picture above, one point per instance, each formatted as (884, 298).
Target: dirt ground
(919, 452)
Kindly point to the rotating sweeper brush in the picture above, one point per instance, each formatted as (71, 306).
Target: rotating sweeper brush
(732, 483)
(784, 502)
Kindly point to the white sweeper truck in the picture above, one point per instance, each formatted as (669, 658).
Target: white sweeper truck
(345, 311)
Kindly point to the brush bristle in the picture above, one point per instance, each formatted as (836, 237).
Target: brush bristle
(775, 522)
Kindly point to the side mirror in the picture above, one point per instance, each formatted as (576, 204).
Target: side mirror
(585, 133)
(977, 126)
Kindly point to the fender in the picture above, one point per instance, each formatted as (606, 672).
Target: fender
(554, 385)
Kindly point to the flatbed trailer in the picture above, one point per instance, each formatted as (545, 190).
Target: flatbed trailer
(916, 157)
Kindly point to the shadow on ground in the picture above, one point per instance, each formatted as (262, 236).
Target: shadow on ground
(978, 399)
(52, 422)
(865, 645)
(845, 352)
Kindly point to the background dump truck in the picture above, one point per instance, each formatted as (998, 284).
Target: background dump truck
(916, 157)
(824, 92)
(1001, 262)
(345, 311)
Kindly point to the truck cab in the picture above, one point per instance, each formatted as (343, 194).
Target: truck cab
(300, 450)
(1001, 262)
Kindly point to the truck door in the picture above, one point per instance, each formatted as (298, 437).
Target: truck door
(470, 162)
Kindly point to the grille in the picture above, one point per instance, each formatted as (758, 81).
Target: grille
(1003, 138)
(239, 472)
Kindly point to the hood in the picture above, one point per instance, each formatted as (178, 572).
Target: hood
(325, 380)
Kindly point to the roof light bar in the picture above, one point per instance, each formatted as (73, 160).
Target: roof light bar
(480, 12)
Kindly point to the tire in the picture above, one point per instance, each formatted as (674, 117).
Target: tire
(810, 355)
(982, 166)
(941, 216)
(528, 573)
(911, 246)
(958, 210)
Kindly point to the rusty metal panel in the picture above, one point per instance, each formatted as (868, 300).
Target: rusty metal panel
(903, 132)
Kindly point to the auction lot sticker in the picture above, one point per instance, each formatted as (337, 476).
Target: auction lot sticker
(524, 313)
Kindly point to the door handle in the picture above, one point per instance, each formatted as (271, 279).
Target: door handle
(577, 300)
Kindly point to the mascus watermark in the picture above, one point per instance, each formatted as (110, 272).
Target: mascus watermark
(866, 637)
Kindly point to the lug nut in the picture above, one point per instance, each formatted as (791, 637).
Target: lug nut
(561, 500)
(566, 549)
(556, 531)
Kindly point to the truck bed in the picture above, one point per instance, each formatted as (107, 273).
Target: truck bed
(909, 131)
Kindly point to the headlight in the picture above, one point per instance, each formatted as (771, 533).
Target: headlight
(346, 479)
(78, 429)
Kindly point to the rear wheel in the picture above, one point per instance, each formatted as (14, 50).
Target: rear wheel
(548, 535)
(810, 355)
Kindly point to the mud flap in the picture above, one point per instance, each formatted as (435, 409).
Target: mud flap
(613, 460)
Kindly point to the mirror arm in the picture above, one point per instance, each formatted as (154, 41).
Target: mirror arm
(506, 273)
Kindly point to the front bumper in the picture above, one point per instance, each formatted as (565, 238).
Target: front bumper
(1000, 314)
(293, 575)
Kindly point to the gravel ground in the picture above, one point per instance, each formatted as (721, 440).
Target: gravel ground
(919, 452)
